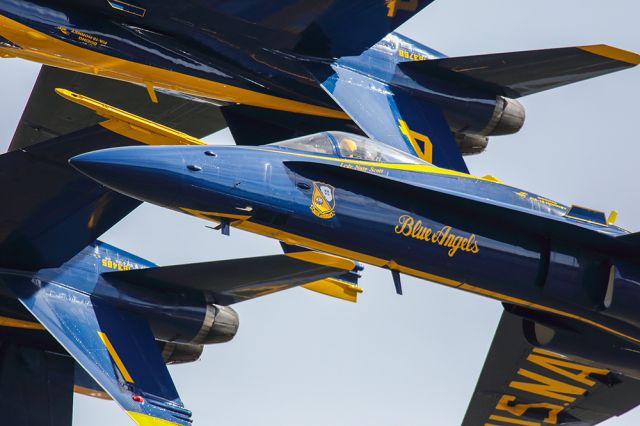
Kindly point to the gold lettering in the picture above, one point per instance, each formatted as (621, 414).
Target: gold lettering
(445, 233)
(560, 366)
(394, 5)
(519, 409)
(456, 245)
(450, 240)
(405, 221)
(546, 386)
(409, 227)
(416, 229)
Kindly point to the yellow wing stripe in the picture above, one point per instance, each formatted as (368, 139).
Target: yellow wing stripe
(115, 357)
(613, 53)
(130, 125)
(40, 47)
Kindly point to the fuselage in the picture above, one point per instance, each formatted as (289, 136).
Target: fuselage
(279, 192)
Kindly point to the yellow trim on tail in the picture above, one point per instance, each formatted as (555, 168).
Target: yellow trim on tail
(40, 47)
(130, 125)
(613, 53)
(147, 420)
(16, 323)
(115, 357)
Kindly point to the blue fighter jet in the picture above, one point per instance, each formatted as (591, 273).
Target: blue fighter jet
(286, 67)
(77, 314)
(567, 350)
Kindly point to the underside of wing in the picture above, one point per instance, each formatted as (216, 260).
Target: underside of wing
(535, 376)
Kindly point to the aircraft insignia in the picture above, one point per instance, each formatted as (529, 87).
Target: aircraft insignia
(323, 202)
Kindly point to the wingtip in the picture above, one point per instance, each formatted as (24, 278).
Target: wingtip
(613, 53)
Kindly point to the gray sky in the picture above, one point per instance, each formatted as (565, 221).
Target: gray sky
(304, 358)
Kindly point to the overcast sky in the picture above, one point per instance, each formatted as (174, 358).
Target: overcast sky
(303, 358)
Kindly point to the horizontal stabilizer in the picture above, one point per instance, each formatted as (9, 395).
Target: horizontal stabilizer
(236, 280)
(116, 348)
(343, 286)
(517, 74)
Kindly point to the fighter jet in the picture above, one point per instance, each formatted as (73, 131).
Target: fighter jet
(280, 69)
(77, 314)
(567, 348)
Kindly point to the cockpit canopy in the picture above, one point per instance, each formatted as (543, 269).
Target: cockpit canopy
(349, 146)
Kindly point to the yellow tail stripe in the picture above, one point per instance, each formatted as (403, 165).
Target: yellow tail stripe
(147, 420)
(115, 357)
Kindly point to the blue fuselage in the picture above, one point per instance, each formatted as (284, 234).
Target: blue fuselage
(277, 192)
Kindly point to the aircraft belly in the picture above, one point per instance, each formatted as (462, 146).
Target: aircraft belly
(133, 55)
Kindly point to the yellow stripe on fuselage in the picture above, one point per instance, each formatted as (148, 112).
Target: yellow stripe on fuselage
(294, 239)
(40, 47)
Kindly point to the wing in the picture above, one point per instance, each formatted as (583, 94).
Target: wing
(522, 384)
(390, 115)
(516, 74)
(47, 115)
(115, 347)
(51, 212)
(237, 280)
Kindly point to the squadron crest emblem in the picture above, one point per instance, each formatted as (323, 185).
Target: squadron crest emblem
(323, 202)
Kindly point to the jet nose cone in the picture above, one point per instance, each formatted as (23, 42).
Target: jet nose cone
(139, 172)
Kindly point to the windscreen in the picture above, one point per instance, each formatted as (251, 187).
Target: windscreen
(349, 146)
(360, 148)
(320, 143)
